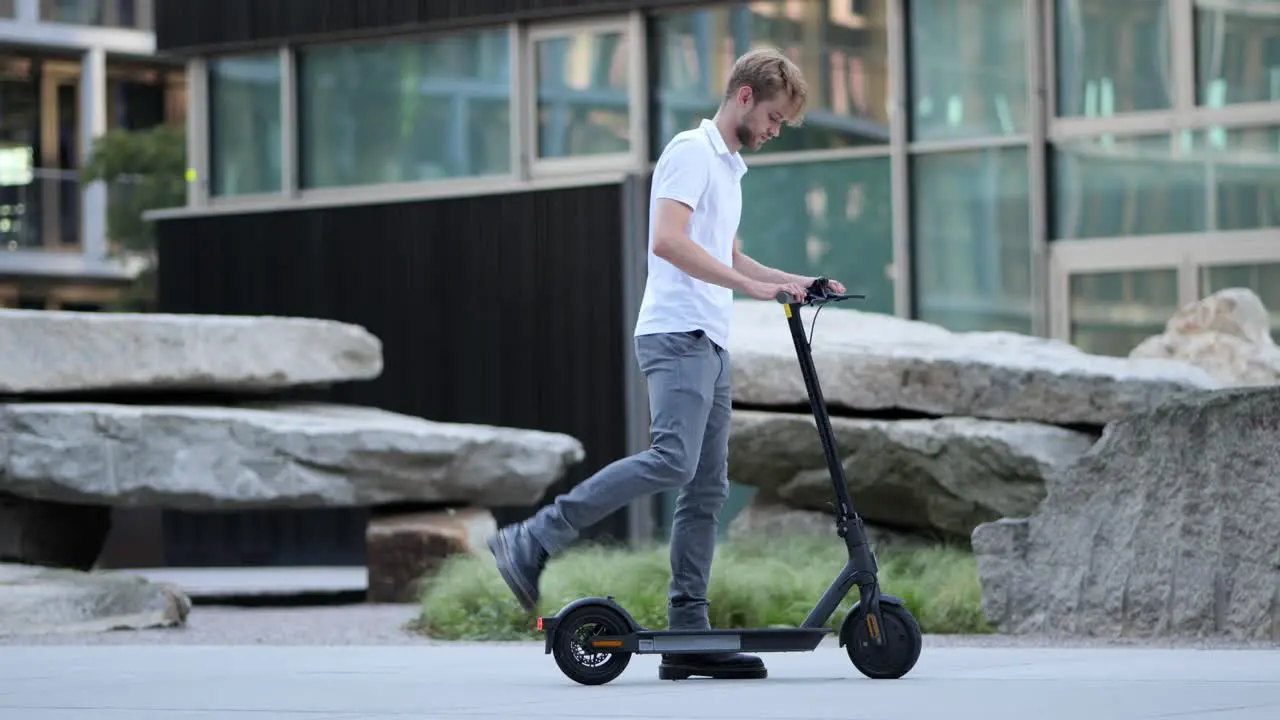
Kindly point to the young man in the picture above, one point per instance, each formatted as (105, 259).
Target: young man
(695, 265)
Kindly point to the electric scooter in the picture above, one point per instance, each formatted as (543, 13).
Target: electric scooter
(593, 639)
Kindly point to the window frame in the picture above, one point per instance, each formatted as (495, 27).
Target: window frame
(1186, 253)
(632, 29)
(1184, 112)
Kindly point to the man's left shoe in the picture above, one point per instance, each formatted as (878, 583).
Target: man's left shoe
(719, 666)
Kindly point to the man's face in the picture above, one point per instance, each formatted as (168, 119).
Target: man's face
(759, 122)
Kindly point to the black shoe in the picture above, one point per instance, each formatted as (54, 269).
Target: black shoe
(719, 666)
(520, 561)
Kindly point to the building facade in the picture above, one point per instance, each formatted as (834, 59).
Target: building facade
(469, 180)
(70, 70)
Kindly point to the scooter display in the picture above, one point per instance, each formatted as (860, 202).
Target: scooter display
(593, 639)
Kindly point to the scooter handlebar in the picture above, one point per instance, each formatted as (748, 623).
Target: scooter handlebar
(818, 293)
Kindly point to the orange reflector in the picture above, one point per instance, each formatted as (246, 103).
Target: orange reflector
(606, 643)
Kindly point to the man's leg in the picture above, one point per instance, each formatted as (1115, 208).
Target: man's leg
(693, 540)
(681, 371)
(693, 526)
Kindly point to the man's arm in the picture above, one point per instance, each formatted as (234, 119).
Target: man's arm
(672, 244)
(749, 267)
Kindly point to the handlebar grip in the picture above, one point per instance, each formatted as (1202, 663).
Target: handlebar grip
(785, 297)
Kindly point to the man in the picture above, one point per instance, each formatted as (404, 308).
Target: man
(695, 265)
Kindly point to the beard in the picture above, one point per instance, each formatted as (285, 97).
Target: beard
(746, 138)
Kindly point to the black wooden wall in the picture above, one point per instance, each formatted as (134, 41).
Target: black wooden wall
(186, 26)
(500, 309)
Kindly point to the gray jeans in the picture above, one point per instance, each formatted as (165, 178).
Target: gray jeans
(690, 404)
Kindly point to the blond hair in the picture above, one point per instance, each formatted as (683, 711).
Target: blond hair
(769, 73)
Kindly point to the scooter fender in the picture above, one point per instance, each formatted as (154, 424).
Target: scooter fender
(855, 616)
(548, 625)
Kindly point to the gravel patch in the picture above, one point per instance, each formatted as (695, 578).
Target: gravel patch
(370, 624)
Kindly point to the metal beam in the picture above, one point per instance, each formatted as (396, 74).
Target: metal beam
(1038, 89)
(900, 166)
(985, 142)
(383, 193)
(197, 133)
(290, 168)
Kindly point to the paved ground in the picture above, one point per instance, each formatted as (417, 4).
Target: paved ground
(516, 681)
(356, 663)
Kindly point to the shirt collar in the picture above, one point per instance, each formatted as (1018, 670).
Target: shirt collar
(717, 141)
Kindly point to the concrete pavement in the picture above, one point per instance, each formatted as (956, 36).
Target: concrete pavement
(133, 682)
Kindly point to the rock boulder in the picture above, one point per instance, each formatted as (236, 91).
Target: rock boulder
(42, 601)
(1228, 334)
(942, 476)
(57, 351)
(875, 362)
(1166, 527)
(762, 517)
(404, 549)
(267, 455)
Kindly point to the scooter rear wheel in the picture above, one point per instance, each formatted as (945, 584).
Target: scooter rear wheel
(576, 659)
(901, 649)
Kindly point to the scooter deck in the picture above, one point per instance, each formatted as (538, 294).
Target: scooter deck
(672, 642)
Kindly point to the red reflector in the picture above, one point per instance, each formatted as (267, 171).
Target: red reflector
(539, 623)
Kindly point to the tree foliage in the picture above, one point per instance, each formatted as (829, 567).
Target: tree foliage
(143, 170)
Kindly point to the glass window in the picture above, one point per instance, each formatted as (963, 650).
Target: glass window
(244, 124)
(584, 96)
(1113, 312)
(1243, 165)
(403, 111)
(832, 218)
(842, 48)
(972, 227)
(1263, 279)
(1113, 57)
(968, 69)
(1190, 181)
(108, 13)
(1237, 52)
(7, 9)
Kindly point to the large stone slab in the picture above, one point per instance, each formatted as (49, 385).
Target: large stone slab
(56, 351)
(1228, 334)
(874, 362)
(1166, 527)
(944, 476)
(266, 455)
(43, 601)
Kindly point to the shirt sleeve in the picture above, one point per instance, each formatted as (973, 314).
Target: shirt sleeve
(682, 173)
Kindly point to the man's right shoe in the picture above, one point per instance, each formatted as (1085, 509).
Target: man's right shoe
(521, 561)
(729, 666)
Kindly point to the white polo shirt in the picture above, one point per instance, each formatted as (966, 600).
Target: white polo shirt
(697, 169)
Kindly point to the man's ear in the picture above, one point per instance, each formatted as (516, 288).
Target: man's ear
(745, 95)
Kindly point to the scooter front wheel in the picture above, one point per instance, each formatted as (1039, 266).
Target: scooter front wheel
(573, 653)
(901, 649)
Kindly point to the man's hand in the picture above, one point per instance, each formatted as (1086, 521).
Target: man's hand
(769, 290)
(835, 285)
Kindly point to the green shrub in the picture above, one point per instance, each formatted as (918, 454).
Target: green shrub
(755, 583)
